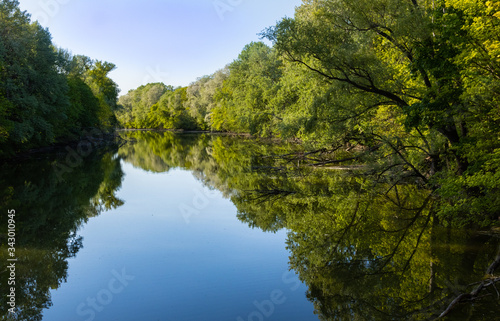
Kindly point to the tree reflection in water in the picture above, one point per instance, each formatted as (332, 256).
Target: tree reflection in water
(49, 212)
(366, 250)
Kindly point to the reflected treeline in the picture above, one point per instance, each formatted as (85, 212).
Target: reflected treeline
(219, 161)
(366, 250)
(50, 207)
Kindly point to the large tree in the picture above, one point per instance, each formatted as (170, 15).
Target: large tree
(46, 94)
(415, 80)
(32, 91)
(245, 98)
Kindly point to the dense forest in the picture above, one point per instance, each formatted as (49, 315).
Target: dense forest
(375, 124)
(411, 87)
(47, 95)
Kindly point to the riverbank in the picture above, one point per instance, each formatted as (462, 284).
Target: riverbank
(182, 131)
(94, 138)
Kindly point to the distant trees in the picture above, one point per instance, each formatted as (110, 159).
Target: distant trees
(155, 106)
(413, 85)
(245, 98)
(236, 98)
(47, 95)
(202, 96)
(136, 105)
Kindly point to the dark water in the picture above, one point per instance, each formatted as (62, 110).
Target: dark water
(207, 227)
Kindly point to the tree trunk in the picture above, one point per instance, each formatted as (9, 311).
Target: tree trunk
(451, 133)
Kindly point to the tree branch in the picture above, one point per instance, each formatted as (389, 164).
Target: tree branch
(464, 297)
(371, 88)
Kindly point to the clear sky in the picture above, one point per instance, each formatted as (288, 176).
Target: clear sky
(170, 41)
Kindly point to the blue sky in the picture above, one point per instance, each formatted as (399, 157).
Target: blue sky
(172, 41)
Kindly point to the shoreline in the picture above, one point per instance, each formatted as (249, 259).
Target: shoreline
(182, 131)
(105, 139)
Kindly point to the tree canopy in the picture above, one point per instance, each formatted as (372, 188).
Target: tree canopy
(410, 87)
(47, 95)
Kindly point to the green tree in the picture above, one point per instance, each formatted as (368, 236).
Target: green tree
(244, 100)
(201, 97)
(478, 62)
(135, 109)
(32, 90)
(105, 89)
(400, 81)
(85, 107)
(46, 94)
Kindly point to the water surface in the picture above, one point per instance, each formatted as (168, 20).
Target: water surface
(207, 227)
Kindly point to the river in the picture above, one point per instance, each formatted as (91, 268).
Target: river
(213, 227)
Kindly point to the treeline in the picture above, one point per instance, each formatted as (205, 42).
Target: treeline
(155, 106)
(411, 87)
(47, 95)
(239, 98)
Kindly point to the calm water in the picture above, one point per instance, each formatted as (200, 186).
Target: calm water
(207, 227)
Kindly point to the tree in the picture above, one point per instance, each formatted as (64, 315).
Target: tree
(201, 96)
(85, 107)
(105, 89)
(400, 80)
(245, 98)
(136, 105)
(33, 92)
(46, 94)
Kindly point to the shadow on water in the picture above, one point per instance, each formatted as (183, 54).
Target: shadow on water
(365, 250)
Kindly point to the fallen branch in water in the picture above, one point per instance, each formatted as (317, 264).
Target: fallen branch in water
(494, 265)
(489, 282)
(467, 297)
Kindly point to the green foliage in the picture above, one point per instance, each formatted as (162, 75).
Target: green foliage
(173, 106)
(238, 99)
(479, 67)
(46, 95)
(156, 106)
(135, 107)
(409, 87)
(106, 91)
(414, 80)
(33, 91)
(202, 96)
(93, 74)
(246, 95)
(85, 106)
